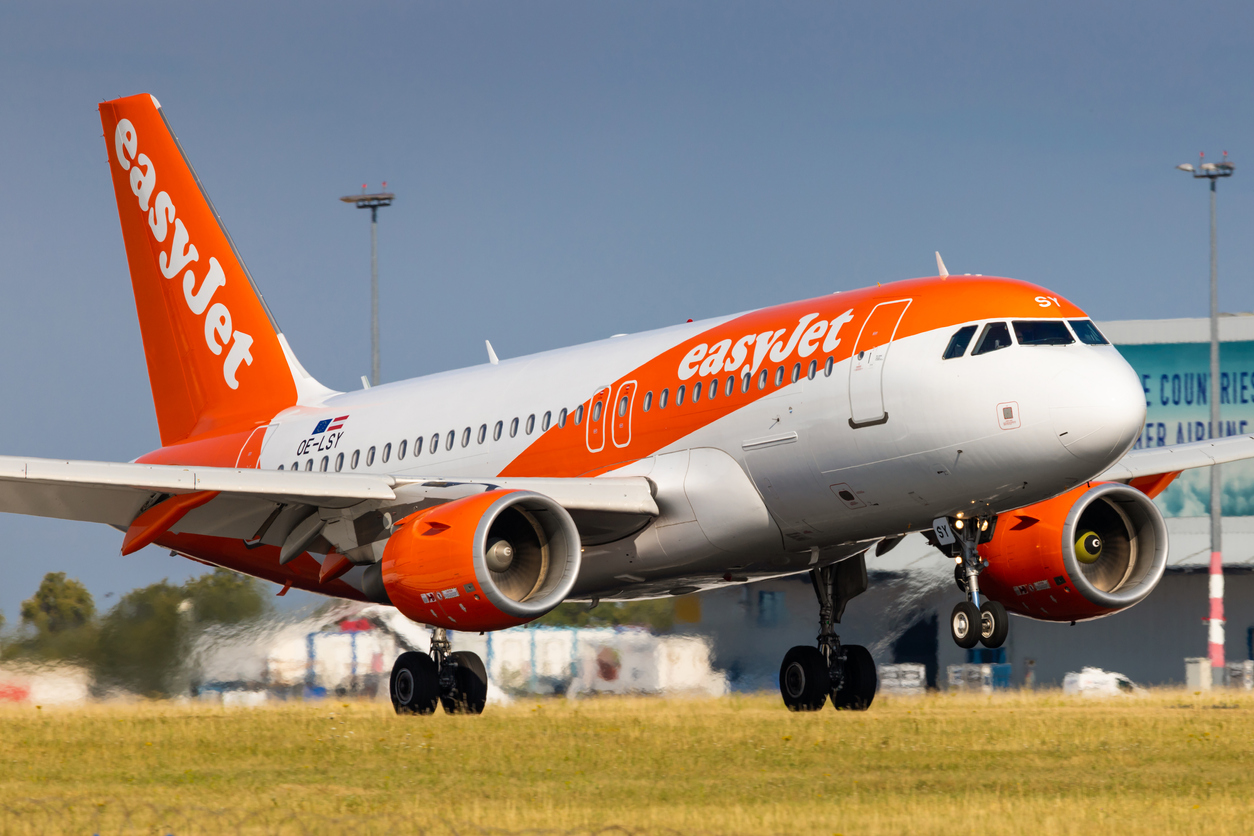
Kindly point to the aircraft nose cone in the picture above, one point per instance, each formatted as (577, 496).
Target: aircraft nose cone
(1100, 410)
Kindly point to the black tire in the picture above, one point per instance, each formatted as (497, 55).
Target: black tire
(858, 680)
(960, 578)
(994, 624)
(415, 684)
(470, 684)
(964, 625)
(803, 679)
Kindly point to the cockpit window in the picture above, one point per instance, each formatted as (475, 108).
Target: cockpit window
(1042, 332)
(1087, 332)
(959, 342)
(996, 335)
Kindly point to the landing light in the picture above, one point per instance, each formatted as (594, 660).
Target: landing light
(958, 525)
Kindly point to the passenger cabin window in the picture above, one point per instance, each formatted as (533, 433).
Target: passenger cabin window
(326, 462)
(295, 465)
(831, 364)
(513, 428)
(996, 335)
(546, 421)
(762, 379)
(696, 392)
(713, 390)
(1042, 332)
(418, 446)
(596, 410)
(648, 401)
(281, 466)
(561, 418)
(579, 414)
(400, 451)
(731, 384)
(796, 372)
(339, 462)
(813, 370)
(745, 383)
(679, 395)
(483, 433)
(370, 457)
(354, 461)
(663, 398)
(622, 406)
(497, 430)
(531, 423)
(435, 443)
(449, 439)
(387, 452)
(779, 376)
(958, 342)
(309, 464)
(466, 437)
(1087, 332)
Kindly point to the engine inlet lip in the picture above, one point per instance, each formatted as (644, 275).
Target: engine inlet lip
(1138, 590)
(536, 607)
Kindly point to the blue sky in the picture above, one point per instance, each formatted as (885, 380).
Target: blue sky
(569, 170)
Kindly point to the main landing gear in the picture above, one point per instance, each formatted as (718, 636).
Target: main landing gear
(846, 673)
(973, 621)
(458, 681)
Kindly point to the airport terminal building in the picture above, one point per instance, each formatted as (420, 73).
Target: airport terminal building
(903, 616)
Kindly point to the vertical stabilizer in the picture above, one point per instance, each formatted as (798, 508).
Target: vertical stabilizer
(216, 361)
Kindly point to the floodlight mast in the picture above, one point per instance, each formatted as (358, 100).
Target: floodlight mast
(373, 202)
(1215, 623)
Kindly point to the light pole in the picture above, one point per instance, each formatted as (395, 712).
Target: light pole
(373, 202)
(1215, 631)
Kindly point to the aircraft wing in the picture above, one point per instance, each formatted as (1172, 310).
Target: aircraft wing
(1153, 461)
(266, 506)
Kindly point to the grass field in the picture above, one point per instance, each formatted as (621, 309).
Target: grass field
(1169, 763)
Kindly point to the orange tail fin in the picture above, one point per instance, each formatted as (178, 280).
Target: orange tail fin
(216, 361)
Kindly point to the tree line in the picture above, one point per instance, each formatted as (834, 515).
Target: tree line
(138, 644)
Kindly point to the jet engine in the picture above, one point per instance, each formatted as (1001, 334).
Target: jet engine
(1087, 553)
(484, 562)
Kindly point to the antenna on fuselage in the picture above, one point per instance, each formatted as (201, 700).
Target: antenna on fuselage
(940, 267)
(492, 358)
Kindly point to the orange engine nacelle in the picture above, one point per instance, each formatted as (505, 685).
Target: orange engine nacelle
(484, 562)
(1087, 553)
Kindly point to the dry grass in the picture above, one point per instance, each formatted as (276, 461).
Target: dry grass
(1169, 763)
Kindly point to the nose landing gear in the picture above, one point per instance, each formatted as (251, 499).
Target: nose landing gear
(846, 673)
(457, 681)
(976, 620)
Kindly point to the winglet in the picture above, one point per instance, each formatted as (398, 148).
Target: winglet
(940, 267)
(492, 358)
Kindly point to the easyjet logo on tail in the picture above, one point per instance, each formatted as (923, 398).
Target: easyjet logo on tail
(220, 336)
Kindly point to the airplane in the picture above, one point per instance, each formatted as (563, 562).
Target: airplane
(989, 414)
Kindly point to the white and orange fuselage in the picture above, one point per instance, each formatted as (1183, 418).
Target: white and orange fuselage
(820, 424)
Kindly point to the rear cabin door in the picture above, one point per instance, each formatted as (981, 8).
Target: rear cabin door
(866, 367)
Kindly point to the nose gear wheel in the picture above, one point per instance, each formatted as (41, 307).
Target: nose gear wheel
(994, 624)
(976, 620)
